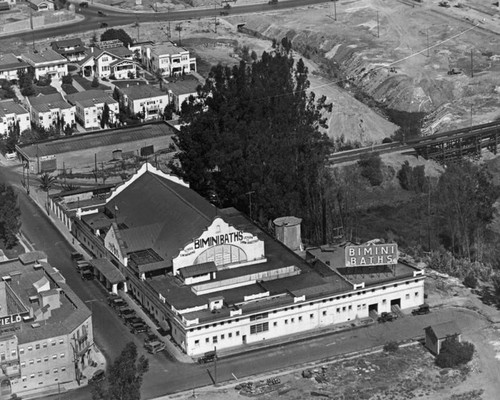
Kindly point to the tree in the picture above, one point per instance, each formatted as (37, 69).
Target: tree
(168, 112)
(412, 178)
(9, 216)
(116, 94)
(120, 34)
(67, 79)
(255, 128)
(105, 116)
(465, 199)
(95, 82)
(159, 77)
(124, 377)
(371, 168)
(454, 353)
(46, 181)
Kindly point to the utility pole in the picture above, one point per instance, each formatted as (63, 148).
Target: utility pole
(471, 65)
(378, 27)
(428, 42)
(335, 9)
(215, 366)
(429, 213)
(249, 194)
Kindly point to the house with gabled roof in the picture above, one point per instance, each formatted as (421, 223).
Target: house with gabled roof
(10, 65)
(436, 334)
(51, 110)
(72, 49)
(180, 90)
(114, 63)
(11, 114)
(89, 106)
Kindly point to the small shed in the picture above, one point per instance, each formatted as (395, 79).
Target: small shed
(436, 334)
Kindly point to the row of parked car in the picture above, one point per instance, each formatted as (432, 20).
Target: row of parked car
(137, 325)
(84, 268)
(390, 316)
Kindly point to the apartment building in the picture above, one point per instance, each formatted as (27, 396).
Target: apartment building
(11, 114)
(47, 63)
(145, 100)
(167, 58)
(50, 111)
(10, 65)
(89, 106)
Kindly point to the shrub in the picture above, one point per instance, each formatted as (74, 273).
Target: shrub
(470, 281)
(67, 79)
(454, 353)
(387, 140)
(412, 178)
(371, 168)
(95, 82)
(391, 347)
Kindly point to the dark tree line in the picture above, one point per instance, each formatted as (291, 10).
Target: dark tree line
(10, 215)
(255, 133)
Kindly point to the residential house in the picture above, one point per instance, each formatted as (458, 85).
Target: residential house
(146, 100)
(72, 49)
(167, 58)
(114, 63)
(435, 335)
(179, 91)
(47, 62)
(11, 113)
(10, 65)
(50, 110)
(42, 5)
(89, 106)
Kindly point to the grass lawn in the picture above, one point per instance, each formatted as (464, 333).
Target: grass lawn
(3, 95)
(87, 84)
(122, 84)
(45, 90)
(69, 88)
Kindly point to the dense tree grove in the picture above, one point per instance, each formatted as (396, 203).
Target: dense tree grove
(124, 377)
(253, 137)
(120, 34)
(454, 353)
(10, 215)
(465, 198)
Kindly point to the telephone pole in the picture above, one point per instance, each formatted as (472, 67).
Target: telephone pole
(471, 65)
(378, 27)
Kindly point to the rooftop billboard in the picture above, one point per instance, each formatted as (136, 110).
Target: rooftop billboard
(372, 254)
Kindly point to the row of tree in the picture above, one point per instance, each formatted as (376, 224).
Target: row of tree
(10, 216)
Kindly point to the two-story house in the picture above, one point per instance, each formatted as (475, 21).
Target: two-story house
(167, 58)
(145, 100)
(72, 49)
(11, 113)
(181, 90)
(47, 62)
(114, 63)
(9, 65)
(51, 111)
(89, 106)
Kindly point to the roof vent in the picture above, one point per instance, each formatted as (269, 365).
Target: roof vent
(35, 325)
(37, 266)
(6, 278)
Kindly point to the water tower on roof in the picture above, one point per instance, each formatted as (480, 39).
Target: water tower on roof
(287, 231)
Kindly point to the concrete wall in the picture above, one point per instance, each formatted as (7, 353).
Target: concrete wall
(38, 21)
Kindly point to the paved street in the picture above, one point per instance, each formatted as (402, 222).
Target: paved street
(169, 376)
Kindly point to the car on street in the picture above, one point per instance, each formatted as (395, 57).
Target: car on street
(208, 357)
(151, 338)
(103, 25)
(422, 310)
(387, 317)
(76, 256)
(87, 274)
(83, 4)
(98, 376)
(138, 327)
(127, 312)
(133, 319)
(116, 302)
(155, 347)
(101, 14)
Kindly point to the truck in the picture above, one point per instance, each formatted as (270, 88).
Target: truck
(387, 317)
(422, 310)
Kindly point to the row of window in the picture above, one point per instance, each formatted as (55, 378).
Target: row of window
(265, 315)
(39, 345)
(39, 360)
(40, 373)
(215, 339)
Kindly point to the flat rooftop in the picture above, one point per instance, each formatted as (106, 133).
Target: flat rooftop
(97, 139)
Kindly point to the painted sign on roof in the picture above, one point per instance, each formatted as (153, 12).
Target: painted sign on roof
(372, 254)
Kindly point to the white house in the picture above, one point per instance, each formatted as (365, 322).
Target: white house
(47, 62)
(180, 91)
(12, 113)
(42, 5)
(50, 110)
(167, 58)
(145, 99)
(89, 106)
(116, 62)
(9, 65)
(72, 49)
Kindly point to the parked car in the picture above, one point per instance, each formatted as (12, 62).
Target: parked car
(87, 274)
(83, 4)
(98, 376)
(133, 319)
(103, 25)
(127, 312)
(155, 347)
(151, 338)
(76, 256)
(138, 327)
(101, 14)
(387, 317)
(208, 357)
(422, 310)
(116, 302)
(82, 264)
